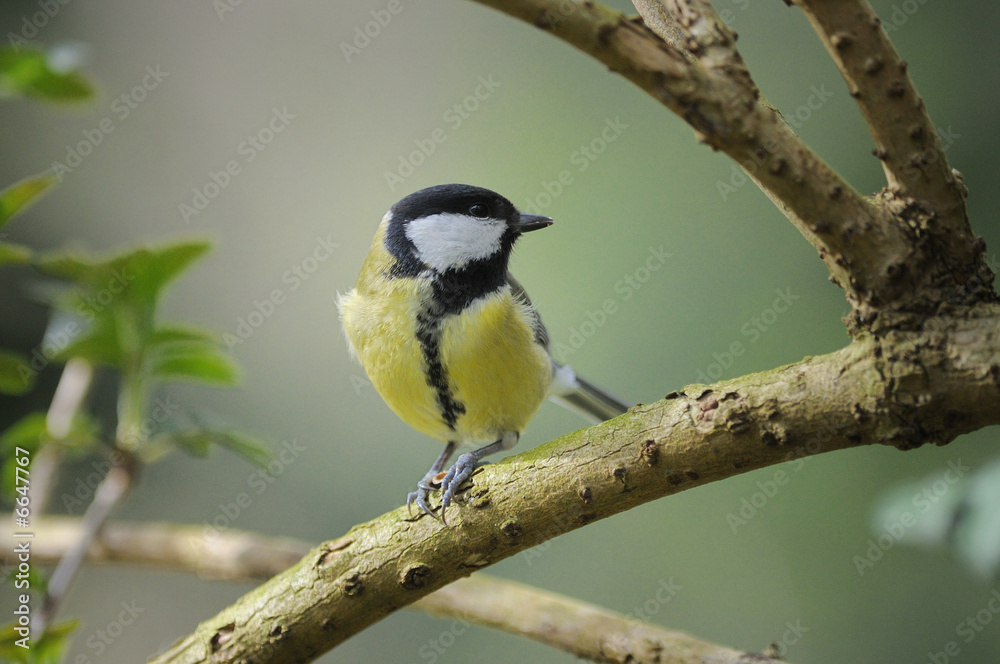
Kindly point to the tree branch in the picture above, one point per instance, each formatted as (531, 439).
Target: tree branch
(74, 383)
(905, 139)
(231, 555)
(583, 629)
(923, 189)
(888, 253)
(920, 369)
(107, 495)
(904, 390)
(696, 72)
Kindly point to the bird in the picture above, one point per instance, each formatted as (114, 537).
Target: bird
(449, 339)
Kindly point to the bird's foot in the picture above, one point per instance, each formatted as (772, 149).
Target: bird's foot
(420, 496)
(458, 473)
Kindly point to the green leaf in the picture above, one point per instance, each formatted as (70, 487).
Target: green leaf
(28, 72)
(198, 443)
(9, 650)
(14, 254)
(31, 433)
(197, 363)
(38, 581)
(50, 648)
(100, 344)
(27, 433)
(118, 296)
(125, 287)
(166, 335)
(156, 268)
(16, 375)
(18, 196)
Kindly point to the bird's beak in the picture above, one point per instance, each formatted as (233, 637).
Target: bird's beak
(531, 222)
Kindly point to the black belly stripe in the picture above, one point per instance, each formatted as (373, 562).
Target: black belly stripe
(428, 331)
(451, 292)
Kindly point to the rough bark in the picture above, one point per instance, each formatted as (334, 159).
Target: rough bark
(905, 390)
(583, 629)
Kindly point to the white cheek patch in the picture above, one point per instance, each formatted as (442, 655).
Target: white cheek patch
(449, 240)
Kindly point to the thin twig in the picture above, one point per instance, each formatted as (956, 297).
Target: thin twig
(108, 494)
(231, 555)
(708, 86)
(74, 383)
(583, 629)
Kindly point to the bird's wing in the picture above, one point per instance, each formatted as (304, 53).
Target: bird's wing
(567, 389)
(520, 295)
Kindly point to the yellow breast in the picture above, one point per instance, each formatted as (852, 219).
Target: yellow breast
(493, 367)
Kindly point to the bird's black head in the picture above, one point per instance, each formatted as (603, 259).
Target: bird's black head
(455, 228)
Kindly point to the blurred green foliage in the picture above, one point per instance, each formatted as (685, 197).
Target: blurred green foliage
(111, 305)
(29, 72)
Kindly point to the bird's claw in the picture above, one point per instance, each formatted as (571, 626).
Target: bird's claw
(458, 473)
(448, 483)
(420, 497)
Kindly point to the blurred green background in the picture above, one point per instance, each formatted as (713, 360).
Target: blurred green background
(348, 119)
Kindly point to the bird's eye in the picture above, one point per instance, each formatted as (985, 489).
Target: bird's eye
(479, 210)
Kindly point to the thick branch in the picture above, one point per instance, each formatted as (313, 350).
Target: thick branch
(904, 390)
(923, 190)
(905, 139)
(696, 72)
(583, 629)
(889, 254)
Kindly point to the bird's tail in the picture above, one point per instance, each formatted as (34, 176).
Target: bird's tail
(580, 396)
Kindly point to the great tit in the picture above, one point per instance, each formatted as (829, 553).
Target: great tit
(449, 338)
